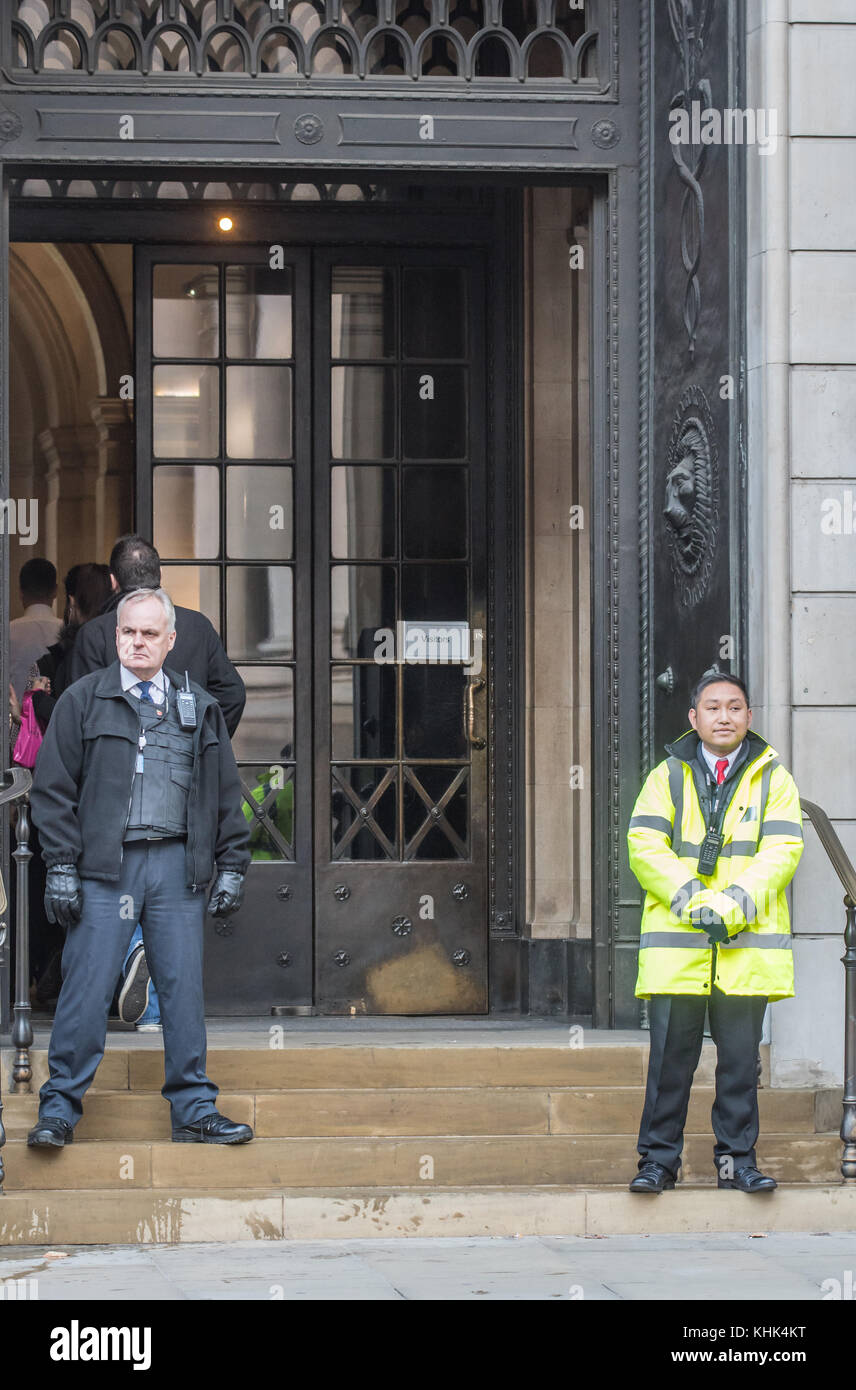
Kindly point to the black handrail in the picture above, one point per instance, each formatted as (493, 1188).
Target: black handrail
(847, 875)
(16, 790)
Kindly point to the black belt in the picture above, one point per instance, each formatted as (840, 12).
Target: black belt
(132, 837)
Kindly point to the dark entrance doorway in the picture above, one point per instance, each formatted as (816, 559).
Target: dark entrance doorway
(311, 465)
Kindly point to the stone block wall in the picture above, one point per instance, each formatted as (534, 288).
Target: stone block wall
(802, 472)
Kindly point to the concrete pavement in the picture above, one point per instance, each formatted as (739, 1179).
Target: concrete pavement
(778, 1266)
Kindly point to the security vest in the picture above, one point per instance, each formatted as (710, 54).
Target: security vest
(762, 845)
(160, 792)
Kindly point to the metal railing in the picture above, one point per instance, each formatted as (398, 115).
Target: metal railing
(847, 877)
(16, 793)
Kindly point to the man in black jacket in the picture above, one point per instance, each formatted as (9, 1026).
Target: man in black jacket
(137, 800)
(135, 564)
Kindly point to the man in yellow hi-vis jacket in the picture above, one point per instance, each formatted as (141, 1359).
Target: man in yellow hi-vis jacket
(714, 839)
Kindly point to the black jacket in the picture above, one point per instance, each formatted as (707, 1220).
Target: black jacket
(54, 664)
(81, 792)
(197, 650)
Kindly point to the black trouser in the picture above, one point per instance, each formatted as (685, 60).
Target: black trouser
(677, 1028)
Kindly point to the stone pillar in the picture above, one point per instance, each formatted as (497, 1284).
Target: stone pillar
(69, 522)
(114, 483)
(558, 760)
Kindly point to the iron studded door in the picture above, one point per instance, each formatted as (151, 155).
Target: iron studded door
(400, 805)
(697, 500)
(223, 466)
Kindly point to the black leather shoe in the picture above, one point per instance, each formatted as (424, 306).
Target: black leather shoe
(652, 1177)
(50, 1134)
(748, 1179)
(213, 1129)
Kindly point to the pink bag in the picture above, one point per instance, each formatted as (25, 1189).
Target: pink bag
(29, 739)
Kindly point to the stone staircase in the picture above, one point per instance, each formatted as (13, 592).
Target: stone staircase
(365, 1139)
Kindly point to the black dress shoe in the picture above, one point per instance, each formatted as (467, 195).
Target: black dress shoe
(50, 1134)
(748, 1179)
(652, 1177)
(213, 1129)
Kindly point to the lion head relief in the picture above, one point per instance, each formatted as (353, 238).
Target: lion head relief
(692, 495)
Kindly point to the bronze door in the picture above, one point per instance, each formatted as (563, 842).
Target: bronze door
(697, 476)
(311, 467)
(400, 805)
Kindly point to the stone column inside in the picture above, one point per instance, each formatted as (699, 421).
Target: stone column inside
(70, 453)
(114, 482)
(558, 678)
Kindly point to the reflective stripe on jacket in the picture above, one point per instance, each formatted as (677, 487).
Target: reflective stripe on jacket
(762, 844)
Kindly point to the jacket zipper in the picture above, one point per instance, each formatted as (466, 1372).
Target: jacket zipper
(194, 789)
(760, 763)
(130, 804)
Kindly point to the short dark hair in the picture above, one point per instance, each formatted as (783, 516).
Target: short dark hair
(135, 563)
(713, 678)
(37, 579)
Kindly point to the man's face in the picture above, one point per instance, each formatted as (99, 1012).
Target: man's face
(722, 717)
(142, 640)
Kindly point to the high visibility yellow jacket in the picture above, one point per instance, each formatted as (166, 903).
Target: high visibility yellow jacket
(762, 844)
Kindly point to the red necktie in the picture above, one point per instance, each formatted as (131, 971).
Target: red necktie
(721, 769)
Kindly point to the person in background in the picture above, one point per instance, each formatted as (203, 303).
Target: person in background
(31, 635)
(135, 564)
(87, 589)
(87, 586)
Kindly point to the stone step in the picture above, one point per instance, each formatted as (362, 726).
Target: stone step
(436, 1161)
(138, 1216)
(356, 1066)
(414, 1111)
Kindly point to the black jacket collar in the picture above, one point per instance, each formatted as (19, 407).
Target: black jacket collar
(686, 747)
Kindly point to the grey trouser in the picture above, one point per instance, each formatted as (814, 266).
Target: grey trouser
(677, 1029)
(151, 890)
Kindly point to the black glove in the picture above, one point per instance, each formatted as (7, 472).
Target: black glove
(227, 893)
(63, 895)
(709, 921)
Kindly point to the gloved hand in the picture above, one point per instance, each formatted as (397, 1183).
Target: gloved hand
(227, 893)
(709, 921)
(63, 895)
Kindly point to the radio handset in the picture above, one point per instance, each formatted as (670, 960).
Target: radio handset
(186, 705)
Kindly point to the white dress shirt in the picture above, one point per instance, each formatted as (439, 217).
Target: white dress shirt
(159, 684)
(713, 758)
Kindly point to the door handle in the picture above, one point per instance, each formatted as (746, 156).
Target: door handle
(471, 690)
(666, 681)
